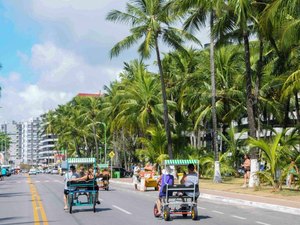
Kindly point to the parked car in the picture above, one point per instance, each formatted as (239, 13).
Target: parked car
(32, 172)
(123, 172)
(54, 171)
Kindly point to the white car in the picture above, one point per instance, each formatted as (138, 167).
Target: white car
(54, 171)
(32, 172)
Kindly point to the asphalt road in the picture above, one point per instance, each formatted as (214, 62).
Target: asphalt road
(38, 200)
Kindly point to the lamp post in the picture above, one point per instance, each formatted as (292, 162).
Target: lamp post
(104, 125)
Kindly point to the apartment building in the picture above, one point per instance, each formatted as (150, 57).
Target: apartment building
(46, 151)
(30, 141)
(28, 144)
(10, 150)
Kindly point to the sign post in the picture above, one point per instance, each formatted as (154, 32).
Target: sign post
(111, 155)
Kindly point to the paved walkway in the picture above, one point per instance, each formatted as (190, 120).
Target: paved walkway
(272, 203)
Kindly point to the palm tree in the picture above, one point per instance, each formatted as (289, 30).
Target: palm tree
(139, 100)
(234, 143)
(198, 12)
(235, 23)
(181, 72)
(89, 108)
(280, 22)
(277, 152)
(154, 150)
(150, 20)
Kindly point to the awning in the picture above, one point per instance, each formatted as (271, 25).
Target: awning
(81, 160)
(181, 161)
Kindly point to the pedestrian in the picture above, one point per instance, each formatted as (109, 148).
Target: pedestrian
(3, 173)
(293, 171)
(69, 176)
(136, 176)
(246, 165)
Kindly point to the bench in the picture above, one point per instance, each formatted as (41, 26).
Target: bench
(180, 191)
(82, 185)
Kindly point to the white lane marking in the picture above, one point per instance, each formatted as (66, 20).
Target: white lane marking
(123, 210)
(201, 208)
(46, 181)
(215, 211)
(37, 181)
(262, 223)
(238, 217)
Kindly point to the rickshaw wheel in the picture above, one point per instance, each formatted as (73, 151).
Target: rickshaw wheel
(194, 213)
(155, 211)
(166, 213)
(70, 198)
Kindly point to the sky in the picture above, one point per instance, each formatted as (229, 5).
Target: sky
(51, 50)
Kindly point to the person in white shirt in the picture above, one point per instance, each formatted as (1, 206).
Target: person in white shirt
(190, 179)
(135, 177)
(68, 176)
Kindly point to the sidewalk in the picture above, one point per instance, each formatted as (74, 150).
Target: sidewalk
(231, 192)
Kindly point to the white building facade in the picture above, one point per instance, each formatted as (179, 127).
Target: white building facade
(28, 144)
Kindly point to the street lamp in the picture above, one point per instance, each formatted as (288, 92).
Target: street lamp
(104, 125)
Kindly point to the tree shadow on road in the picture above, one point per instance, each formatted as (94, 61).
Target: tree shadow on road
(9, 221)
(13, 194)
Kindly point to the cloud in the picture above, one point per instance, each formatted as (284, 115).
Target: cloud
(60, 74)
(77, 25)
(62, 70)
(70, 53)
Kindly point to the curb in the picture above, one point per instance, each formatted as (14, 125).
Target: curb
(236, 201)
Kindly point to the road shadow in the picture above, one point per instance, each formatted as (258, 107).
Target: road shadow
(9, 221)
(13, 194)
(21, 223)
(8, 218)
(90, 210)
(110, 189)
(200, 217)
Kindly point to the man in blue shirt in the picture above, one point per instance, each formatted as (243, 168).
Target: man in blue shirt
(3, 171)
(165, 179)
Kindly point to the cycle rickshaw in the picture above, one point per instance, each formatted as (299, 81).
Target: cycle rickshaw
(176, 200)
(82, 193)
(104, 180)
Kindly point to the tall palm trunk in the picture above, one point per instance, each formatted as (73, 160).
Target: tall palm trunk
(77, 148)
(217, 174)
(88, 151)
(96, 142)
(250, 112)
(165, 104)
(297, 107)
(286, 121)
(257, 85)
